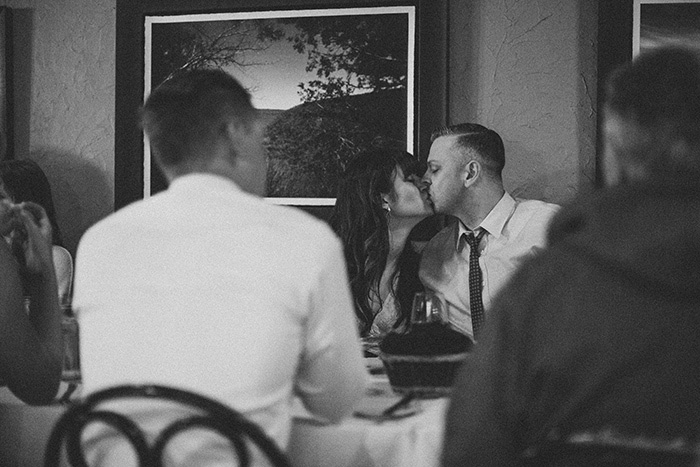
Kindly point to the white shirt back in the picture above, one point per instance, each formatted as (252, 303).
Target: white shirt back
(207, 288)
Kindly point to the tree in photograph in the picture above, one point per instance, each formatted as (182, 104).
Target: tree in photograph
(183, 46)
(352, 54)
(309, 145)
(362, 65)
(215, 44)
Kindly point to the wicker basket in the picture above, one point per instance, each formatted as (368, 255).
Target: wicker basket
(427, 376)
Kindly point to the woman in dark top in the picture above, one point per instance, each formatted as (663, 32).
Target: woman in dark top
(31, 343)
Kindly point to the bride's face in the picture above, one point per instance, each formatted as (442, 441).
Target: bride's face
(406, 199)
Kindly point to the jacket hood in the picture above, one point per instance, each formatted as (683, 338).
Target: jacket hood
(649, 233)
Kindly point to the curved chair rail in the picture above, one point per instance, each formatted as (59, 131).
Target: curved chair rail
(215, 416)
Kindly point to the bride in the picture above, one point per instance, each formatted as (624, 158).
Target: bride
(379, 202)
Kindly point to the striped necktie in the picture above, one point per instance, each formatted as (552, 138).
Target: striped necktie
(476, 304)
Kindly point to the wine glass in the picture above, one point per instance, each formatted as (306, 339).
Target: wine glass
(428, 307)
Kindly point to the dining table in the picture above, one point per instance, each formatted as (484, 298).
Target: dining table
(409, 435)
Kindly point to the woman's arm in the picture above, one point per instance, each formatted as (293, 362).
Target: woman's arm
(31, 345)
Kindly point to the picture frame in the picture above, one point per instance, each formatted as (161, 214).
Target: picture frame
(619, 37)
(615, 18)
(665, 22)
(6, 85)
(426, 93)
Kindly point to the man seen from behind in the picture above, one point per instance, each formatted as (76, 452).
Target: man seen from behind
(209, 288)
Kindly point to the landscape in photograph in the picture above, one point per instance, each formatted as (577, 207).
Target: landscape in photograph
(328, 86)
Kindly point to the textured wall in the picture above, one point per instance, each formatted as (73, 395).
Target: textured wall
(527, 69)
(65, 103)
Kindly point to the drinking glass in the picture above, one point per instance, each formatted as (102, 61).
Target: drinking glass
(428, 307)
(71, 345)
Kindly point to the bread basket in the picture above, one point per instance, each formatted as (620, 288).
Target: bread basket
(424, 360)
(426, 376)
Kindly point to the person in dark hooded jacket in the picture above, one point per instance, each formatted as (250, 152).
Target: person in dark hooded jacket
(596, 340)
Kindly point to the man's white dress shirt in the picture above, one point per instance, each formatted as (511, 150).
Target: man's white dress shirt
(515, 231)
(210, 289)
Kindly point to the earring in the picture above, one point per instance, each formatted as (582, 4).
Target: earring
(388, 209)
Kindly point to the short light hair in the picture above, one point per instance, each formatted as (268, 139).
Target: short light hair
(188, 113)
(659, 94)
(486, 143)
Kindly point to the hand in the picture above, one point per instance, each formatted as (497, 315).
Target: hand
(8, 217)
(37, 244)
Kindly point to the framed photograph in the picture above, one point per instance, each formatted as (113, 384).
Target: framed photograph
(6, 71)
(627, 28)
(328, 76)
(664, 22)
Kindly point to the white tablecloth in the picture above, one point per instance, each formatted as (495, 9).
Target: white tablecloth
(413, 441)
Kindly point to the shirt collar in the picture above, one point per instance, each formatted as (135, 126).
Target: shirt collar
(496, 220)
(493, 223)
(463, 230)
(201, 180)
(459, 232)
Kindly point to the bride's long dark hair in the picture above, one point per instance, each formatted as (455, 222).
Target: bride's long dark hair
(361, 223)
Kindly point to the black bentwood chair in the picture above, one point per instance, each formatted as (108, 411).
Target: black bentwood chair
(609, 449)
(212, 415)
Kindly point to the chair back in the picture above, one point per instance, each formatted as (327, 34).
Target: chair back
(63, 265)
(211, 415)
